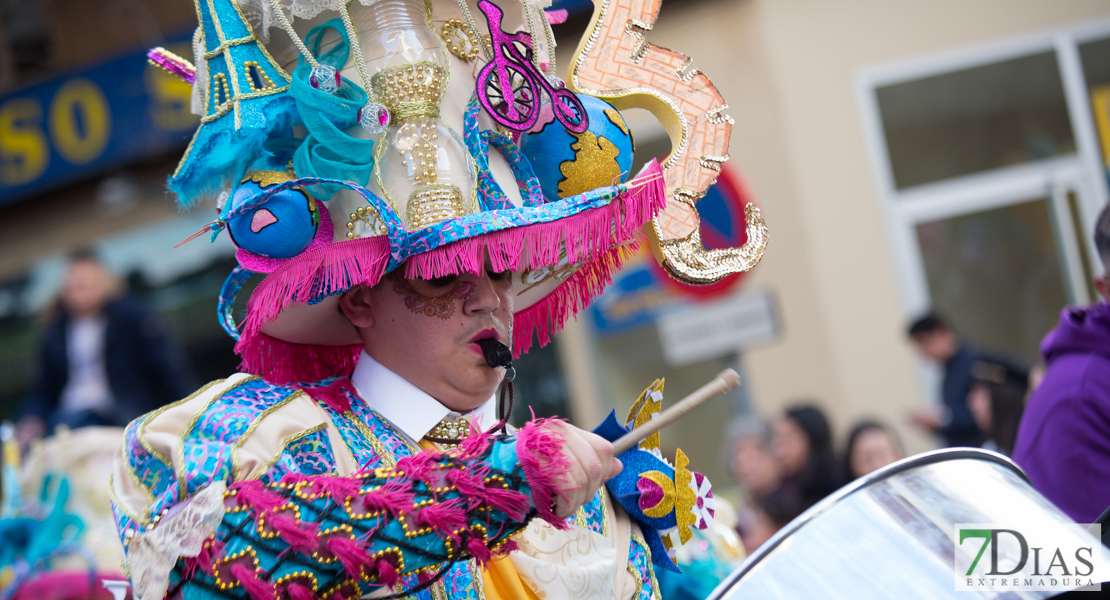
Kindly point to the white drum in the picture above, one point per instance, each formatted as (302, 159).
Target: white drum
(891, 534)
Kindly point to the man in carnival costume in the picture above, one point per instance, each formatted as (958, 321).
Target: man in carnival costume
(363, 449)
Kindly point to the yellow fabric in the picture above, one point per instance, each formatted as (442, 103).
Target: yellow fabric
(500, 581)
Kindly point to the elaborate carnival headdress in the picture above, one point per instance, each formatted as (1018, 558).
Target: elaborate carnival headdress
(360, 140)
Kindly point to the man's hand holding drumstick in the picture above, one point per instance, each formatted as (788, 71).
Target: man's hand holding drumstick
(593, 459)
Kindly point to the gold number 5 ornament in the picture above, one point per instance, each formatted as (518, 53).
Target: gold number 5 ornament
(616, 62)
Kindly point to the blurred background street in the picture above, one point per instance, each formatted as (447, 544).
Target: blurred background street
(910, 158)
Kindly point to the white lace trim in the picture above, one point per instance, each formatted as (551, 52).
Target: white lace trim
(260, 13)
(200, 84)
(152, 555)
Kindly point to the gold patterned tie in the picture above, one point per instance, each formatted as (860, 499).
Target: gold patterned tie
(449, 432)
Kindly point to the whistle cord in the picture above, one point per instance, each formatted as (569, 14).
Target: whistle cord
(503, 411)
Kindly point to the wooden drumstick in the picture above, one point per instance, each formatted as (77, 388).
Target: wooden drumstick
(723, 382)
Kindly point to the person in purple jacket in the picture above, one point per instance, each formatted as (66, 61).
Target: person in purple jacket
(1064, 439)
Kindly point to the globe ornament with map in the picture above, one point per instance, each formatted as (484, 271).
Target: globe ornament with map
(281, 227)
(569, 164)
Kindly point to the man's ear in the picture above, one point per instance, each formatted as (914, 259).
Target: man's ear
(357, 305)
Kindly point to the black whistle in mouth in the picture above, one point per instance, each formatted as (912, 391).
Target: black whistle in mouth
(496, 353)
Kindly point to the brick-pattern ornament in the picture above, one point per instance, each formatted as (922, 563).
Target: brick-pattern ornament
(615, 61)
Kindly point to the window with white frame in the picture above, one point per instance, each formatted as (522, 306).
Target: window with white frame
(991, 172)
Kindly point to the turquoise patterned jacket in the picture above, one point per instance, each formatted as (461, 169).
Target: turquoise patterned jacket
(242, 430)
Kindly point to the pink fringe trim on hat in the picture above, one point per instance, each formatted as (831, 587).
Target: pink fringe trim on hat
(598, 238)
(546, 317)
(586, 236)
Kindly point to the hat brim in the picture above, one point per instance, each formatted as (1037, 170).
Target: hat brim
(562, 256)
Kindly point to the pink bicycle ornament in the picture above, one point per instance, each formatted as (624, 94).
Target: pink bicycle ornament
(510, 87)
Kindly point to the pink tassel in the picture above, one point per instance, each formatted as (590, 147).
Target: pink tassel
(392, 497)
(443, 516)
(476, 546)
(297, 591)
(426, 576)
(339, 488)
(301, 537)
(549, 315)
(350, 554)
(506, 547)
(467, 484)
(417, 466)
(511, 502)
(252, 585)
(253, 494)
(387, 573)
(540, 453)
(475, 444)
(209, 552)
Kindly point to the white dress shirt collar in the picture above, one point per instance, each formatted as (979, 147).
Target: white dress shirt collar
(408, 408)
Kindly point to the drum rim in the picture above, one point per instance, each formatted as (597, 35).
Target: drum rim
(911, 462)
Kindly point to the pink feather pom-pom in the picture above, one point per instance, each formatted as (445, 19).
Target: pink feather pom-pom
(392, 498)
(539, 450)
(300, 536)
(477, 548)
(254, 495)
(353, 557)
(252, 585)
(297, 591)
(511, 502)
(444, 517)
(387, 573)
(339, 488)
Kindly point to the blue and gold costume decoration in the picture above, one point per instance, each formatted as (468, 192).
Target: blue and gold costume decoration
(572, 163)
(244, 104)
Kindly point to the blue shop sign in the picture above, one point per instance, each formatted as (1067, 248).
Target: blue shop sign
(80, 124)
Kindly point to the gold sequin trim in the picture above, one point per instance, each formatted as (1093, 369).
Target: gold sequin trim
(284, 444)
(254, 425)
(226, 585)
(179, 468)
(309, 575)
(326, 534)
(405, 523)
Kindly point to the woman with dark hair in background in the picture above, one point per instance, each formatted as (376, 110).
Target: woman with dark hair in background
(871, 446)
(997, 401)
(755, 468)
(803, 446)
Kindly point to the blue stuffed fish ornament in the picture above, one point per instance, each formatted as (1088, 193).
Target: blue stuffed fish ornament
(667, 501)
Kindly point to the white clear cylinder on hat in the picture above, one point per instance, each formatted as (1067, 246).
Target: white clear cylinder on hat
(422, 164)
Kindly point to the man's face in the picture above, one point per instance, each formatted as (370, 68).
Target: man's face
(938, 346)
(86, 288)
(426, 331)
